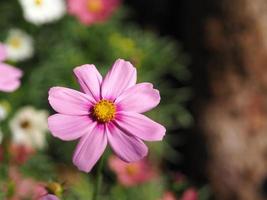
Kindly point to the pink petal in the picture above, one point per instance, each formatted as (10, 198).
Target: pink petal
(139, 98)
(70, 102)
(89, 79)
(3, 52)
(9, 77)
(49, 197)
(190, 194)
(8, 71)
(90, 148)
(9, 86)
(68, 127)
(116, 164)
(121, 77)
(127, 147)
(140, 126)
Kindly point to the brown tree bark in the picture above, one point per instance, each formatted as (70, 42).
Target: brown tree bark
(235, 119)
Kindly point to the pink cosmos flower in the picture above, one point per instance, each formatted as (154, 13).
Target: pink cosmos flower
(25, 188)
(168, 196)
(9, 75)
(92, 11)
(20, 153)
(130, 174)
(190, 194)
(105, 111)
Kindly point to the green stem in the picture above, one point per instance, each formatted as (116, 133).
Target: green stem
(99, 179)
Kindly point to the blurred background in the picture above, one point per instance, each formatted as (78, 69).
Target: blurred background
(208, 59)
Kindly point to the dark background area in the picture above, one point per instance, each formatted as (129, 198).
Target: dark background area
(183, 21)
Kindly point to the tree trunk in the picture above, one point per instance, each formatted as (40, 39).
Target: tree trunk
(234, 119)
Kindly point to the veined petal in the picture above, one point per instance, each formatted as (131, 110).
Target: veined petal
(139, 98)
(140, 126)
(121, 77)
(70, 102)
(69, 127)
(127, 147)
(89, 79)
(90, 148)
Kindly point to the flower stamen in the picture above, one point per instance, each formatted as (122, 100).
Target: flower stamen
(15, 42)
(94, 6)
(132, 169)
(104, 111)
(38, 2)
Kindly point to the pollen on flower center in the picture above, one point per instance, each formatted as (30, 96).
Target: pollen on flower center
(104, 111)
(94, 6)
(38, 2)
(15, 42)
(131, 169)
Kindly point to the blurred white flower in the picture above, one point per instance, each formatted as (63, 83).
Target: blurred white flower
(19, 45)
(43, 11)
(29, 126)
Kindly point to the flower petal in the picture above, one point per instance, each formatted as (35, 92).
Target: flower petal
(8, 71)
(90, 148)
(139, 98)
(49, 197)
(68, 127)
(121, 77)
(70, 102)
(9, 78)
(9, 86)
(140, 126)
(89, 79)
(128, 148)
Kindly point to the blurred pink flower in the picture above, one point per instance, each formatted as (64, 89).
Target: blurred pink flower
(130, 174)
(168, 196)
(9, 75)
(20, 153)
(92, 11)
(49, 197)
(190, 194)
(25, 188)
(106, 111)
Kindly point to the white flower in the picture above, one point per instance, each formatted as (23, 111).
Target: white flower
(19, 45)
(29, 126)
(43, 11)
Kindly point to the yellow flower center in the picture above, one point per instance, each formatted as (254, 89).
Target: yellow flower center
(94, 6)
(104, 111)
(131, 169)
(38, 2)
(55, 188)
(15, 42)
